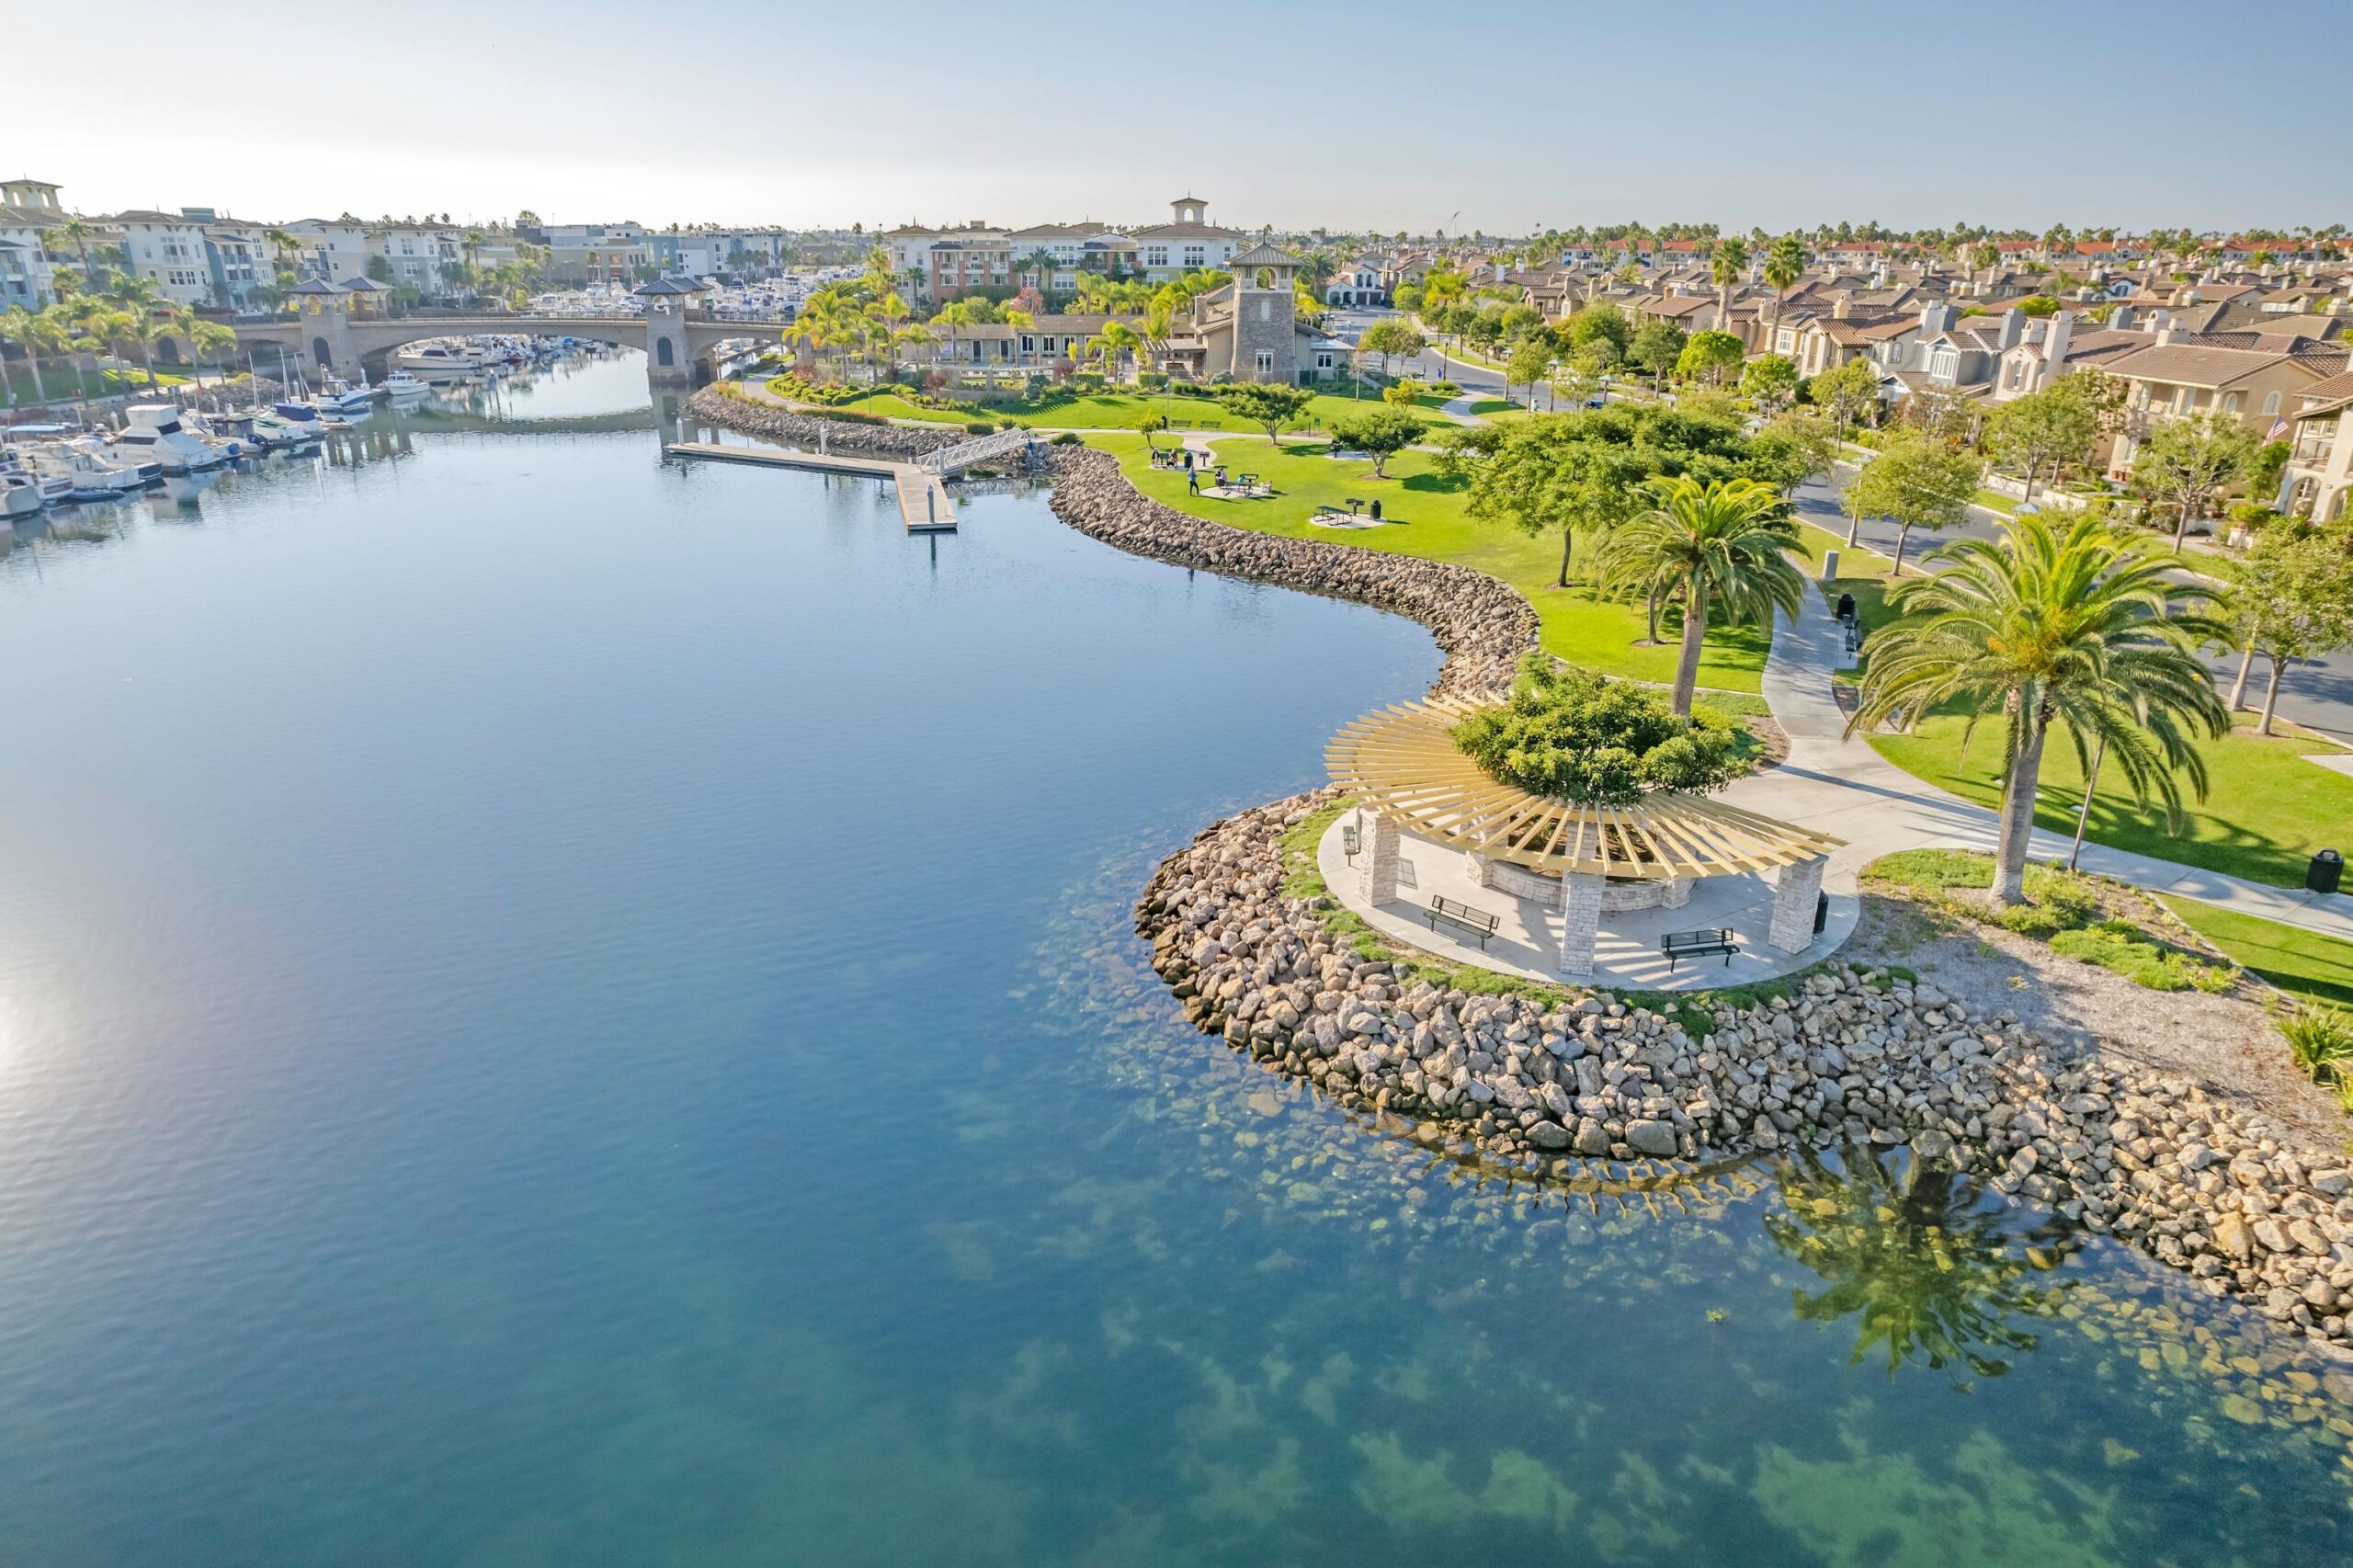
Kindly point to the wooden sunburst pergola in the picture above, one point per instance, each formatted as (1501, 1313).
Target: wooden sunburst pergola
(1406, 773)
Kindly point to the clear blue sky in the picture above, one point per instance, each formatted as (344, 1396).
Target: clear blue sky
(1375, 114)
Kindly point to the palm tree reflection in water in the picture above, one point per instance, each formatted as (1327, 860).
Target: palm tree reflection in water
(1932, 1267)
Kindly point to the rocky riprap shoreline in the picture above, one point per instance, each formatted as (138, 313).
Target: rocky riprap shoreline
(715, 407)
(1853, 1056)
(1483, 624)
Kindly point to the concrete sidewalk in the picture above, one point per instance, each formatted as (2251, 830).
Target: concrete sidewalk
(1842, 787)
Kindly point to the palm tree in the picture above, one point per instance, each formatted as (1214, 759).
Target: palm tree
(1725, 541)
(1784, 265)
(2080, 627)
(1725, 266)
(143, 299)
(1040, 263)
(26, 330)
(76, 232)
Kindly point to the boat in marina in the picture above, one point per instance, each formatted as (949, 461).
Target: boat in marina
(303, 416)
(17, 470)
(94, 474)
(344, 398)
(155, 433)
(441, 357)
(404, 388)
(21, 494)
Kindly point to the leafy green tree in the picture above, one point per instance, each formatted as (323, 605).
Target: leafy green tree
(2045, 627)
(1408, 298)
(1270, 405)
(2186, 462)
(1848, 392)
(1795, 445)
(1577, 735)
(1404, 392)
(1584, 470)
(1379, 433)
(1916, 482)
(2054, 426)
(1906, 1249)
(1530, 363)
(1390, 335)
(1769, 381)
(1710, 356)
(2293, 600)
(1654, 349)
(1600, 329)
(1724, 543)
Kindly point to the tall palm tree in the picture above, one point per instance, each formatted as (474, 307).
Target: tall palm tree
(1040, 263)
(143, 299)
(24, 329)
(2079, 627)
(1784, 265)
(1725, 267)
(76, 232)
(1725, 542)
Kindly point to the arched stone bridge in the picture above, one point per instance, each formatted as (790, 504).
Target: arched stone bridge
(680, 344)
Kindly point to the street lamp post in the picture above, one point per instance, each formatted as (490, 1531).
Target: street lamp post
(2083, 814)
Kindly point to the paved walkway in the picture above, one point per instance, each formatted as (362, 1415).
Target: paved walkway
(1841, 786)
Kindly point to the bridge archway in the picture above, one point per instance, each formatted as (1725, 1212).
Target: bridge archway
(664, 354)
(321, 353)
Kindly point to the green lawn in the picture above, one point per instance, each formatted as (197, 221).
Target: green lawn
(2306, 964)
(2267, 809)
(1429, 521)
(62, 388)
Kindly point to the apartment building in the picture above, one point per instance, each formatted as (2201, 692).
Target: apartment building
(167, 248)
(28, 209)
(2319, 479)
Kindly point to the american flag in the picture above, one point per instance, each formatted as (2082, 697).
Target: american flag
(2279, 428)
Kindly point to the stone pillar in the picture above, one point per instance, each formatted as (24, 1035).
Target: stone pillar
(1793, 900)
(668, 362)
(1580, 922)
(1377, 860)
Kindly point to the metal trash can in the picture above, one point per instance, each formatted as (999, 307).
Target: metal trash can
(2326, 871)
(1821, 912)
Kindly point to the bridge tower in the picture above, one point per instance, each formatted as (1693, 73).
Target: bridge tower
(322, 311)
(669, 304)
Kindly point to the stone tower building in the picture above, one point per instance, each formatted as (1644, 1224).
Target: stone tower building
(1266, 326)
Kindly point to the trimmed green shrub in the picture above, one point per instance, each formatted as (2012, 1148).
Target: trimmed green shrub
(1579, 736)
(977, 427)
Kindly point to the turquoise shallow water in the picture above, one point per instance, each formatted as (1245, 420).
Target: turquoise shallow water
(561, 1009)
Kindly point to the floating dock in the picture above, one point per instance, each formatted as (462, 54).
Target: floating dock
(924, 505)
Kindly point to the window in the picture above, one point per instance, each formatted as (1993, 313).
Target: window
(2271, 402)
(1155, 255)
(1265, 362)
(1194, 255)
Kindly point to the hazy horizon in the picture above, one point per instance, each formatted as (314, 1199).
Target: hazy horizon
(1376, 115)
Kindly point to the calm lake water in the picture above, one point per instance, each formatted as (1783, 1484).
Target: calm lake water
(557, 1008)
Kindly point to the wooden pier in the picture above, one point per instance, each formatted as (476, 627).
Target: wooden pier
(924, 505)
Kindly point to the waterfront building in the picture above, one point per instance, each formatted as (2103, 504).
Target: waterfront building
(413, 254)
(237, 258)
(597, 255)
(330, 248)
(167, 248)
(28, 209)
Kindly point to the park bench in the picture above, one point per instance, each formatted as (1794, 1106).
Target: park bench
(1471, 922)
(1678, 945)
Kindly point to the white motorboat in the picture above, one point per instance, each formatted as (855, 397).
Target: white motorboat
(402, 387)
(49, 489)
(441, 357)
(93, 475)
(154, 434)
(231, 447)
(20, 496)
(340, 396)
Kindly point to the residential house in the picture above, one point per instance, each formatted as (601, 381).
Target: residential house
(1358, 284)
(2182, 374)
(2319, 478)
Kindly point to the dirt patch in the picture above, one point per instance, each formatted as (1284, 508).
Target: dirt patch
(2226, 1042)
